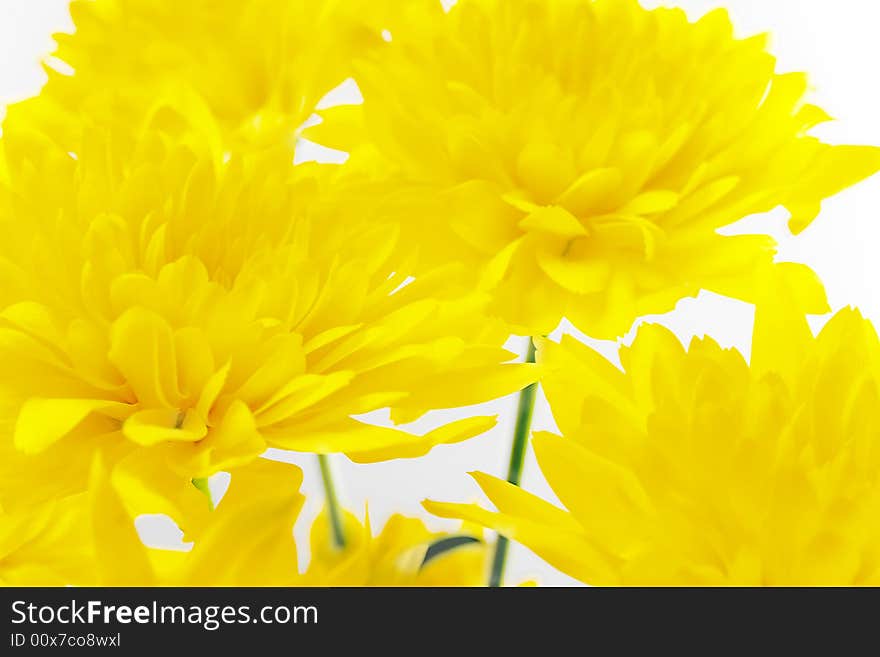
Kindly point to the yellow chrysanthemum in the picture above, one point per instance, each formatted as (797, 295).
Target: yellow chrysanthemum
(404, 553)
(184, 309)
(260, 65)
(582, 154)
(693, 467)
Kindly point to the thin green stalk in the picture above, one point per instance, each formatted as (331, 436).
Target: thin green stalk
(524, 412)
(333, 507)
(202, 484)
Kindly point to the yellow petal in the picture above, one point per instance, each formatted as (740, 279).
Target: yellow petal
(453, 432)
(142, 348)
(835, 169)
(578, 274)
(564, 550)
(121, 556)
(256, 515)
(43, 422)
(443, 390)
(781, 335)
(513, 500)
(154, 426)
(342, 128)
(300, 394)
(234, 442)
(211, 390)
(591, 191)
(652, 202)
(553, 220)
(606, 498)
(544, 168)
(147, 484)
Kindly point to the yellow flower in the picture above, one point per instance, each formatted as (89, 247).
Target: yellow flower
(185, 308)
(46, 545)
(259, 65)
(582, 154)
(404, 553)
(692, 467)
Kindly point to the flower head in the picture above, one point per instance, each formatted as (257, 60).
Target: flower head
(582, 154)
(185, 308)
(260, 66)
(694, 467)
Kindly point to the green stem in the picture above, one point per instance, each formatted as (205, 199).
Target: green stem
(333, 507)
(202, 484)
(524, 413)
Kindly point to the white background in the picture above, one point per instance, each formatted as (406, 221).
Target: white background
(836, 42)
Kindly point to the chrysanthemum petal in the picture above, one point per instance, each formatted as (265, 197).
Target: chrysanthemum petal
(151, 427)
(606, 499)
(453, 432)
(566, 551)
(42, 422)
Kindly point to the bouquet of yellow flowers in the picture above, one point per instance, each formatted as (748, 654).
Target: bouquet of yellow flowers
(187, 303)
